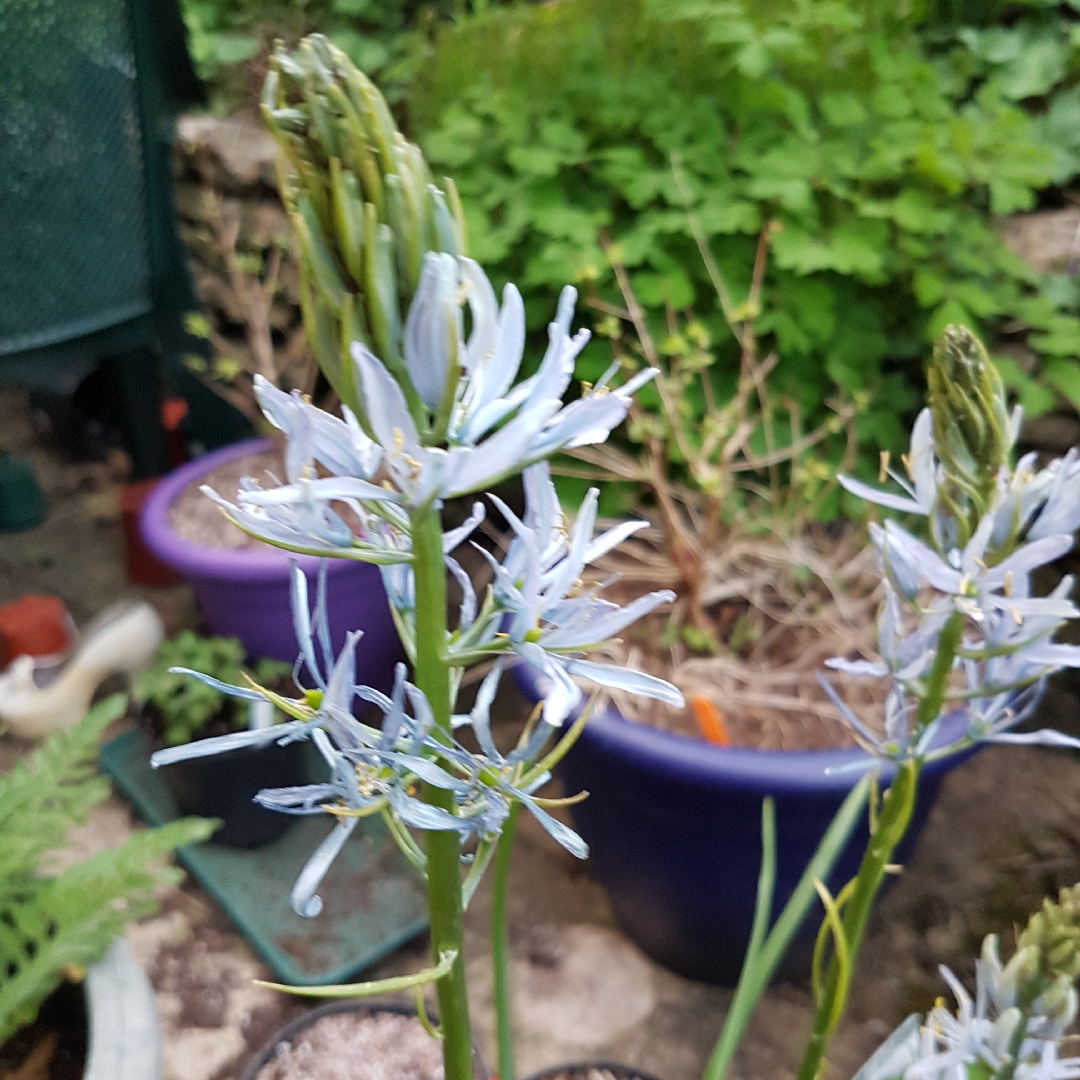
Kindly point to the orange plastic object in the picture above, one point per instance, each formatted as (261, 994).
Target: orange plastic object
(174, 411)
(142, 565)
(710, 720)
(34, 626)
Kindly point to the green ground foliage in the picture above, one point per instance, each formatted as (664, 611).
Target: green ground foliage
(184, 704)
(226, 37)
(53, 926)
(879, 151)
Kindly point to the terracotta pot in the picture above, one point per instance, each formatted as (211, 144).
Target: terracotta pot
(37, 626)
(141, 565)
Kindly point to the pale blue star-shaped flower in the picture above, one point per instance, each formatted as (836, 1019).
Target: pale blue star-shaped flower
(551, 616)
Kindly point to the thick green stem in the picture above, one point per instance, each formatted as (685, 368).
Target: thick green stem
(938, 680)
(499, 957)
(443, 848)
(888, 831)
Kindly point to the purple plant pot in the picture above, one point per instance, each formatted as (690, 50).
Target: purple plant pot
(245, 594)
(673, 826)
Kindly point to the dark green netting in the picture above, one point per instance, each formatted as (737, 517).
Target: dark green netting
(73, 231)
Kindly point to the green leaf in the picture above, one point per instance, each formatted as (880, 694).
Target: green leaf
(842, 108)
(1064, 376)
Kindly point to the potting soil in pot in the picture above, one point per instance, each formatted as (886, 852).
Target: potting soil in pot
(358, 1046)
(769, 614)
(197, 519)
(591, 1072)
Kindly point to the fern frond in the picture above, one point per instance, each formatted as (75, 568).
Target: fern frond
(42, 797)
(70, 920)
(52, 925)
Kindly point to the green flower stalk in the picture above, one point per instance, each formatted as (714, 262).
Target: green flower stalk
(973, 434)
(364, 207)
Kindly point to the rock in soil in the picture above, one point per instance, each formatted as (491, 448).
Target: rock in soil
(355, 1046)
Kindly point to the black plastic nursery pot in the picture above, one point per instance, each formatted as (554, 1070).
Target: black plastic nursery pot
(673, 826)
(225, 785)
(368, 1006)
(105, 1028)
(591, 1070)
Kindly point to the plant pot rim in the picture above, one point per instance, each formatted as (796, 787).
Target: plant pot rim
(614, 1067)
(747, 769)
(369, 1004)
(263, 563)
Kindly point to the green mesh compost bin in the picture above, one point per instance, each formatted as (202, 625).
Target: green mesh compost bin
(91, 265)
(73, 234)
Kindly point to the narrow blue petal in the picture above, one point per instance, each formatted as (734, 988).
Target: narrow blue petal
(421, 815)
(633, 682)
(560, 833)
(881, 498)
(322, 624)
(1044, 737)
(303, 899)
(226, 688)
(304, 799)
(301, 616)
(480, 717)
(224, 743)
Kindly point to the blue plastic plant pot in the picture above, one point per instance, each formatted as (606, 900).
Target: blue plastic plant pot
(673, 826)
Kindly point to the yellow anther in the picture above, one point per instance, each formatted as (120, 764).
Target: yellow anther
(883, 467)
(1007, 584)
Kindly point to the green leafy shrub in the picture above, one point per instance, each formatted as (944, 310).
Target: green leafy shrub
(183, 705)
(1022, 50)
(872, 170)
(55, 926)
(223, 34)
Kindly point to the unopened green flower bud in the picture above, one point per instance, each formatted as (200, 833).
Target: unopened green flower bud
(972, 430)
(363, 204)
(1019, 974)
(1055, 932)
(1057, 1004)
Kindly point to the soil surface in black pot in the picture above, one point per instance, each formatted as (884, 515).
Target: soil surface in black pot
(53, 1047)
(358, 1046)
(585, 1071)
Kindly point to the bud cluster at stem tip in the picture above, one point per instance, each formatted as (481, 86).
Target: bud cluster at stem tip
(972, 431)
(363, 204)
(1055, 932)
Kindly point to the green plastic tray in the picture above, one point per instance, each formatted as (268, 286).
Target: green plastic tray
(373, 900)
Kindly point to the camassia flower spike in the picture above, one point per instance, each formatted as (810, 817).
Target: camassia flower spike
(964, 599)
